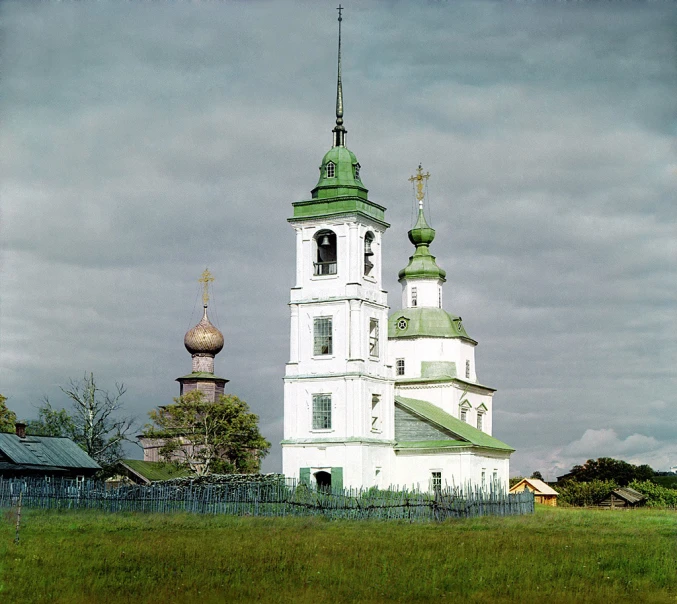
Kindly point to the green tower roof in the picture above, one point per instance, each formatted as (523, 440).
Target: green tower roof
(426, 322)
(422, 264)
(339, 175)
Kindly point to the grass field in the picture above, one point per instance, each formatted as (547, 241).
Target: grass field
(555, 555)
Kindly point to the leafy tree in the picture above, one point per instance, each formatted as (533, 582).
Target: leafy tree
(220, 437)
(607, 468)
(537, 475)
(93, 421)
(7, 417)
(585, 493)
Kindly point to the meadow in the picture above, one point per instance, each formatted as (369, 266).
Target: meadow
(561, 555)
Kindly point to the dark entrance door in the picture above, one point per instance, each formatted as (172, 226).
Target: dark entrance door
(323, 480)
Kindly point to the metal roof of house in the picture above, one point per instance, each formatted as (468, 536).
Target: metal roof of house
(540, 487)
(45, 452)
(153, 471)
(467, 434)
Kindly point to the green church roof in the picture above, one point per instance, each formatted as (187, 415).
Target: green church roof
(464, 431)
(426, 321)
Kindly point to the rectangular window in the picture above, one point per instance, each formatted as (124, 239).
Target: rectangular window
(495, 478)
(436, 480)
(373, 337)
(439, 297)
(414, 296)
(479, 420)
(321, 411)
(399, 366)
(322, 332)
(464, 414)
(467, 369)
(484, 477)
(375, 413)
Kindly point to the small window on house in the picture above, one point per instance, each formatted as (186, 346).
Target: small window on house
(495, 477)
(484, 477)
(325, 253)
(80, 480)
(436, 481)
(414, 296)
(331, 170)
(479, 420)
(368, 253)
(439, 297)
(464, 414)
(467, 369)
(357, 171)
(321, 411)
(322, 336)
(373, 337)
(399, 367)
(375, 413)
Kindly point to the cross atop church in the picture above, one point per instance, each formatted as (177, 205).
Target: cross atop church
(418, 178)
(205, 279)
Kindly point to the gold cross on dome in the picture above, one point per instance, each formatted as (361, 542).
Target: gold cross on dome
(205, 278)
(418, 179)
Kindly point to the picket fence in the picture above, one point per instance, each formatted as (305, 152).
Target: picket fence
(278, 497)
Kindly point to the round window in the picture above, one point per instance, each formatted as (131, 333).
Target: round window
(402, 324)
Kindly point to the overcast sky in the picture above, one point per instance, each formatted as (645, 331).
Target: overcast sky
(141, 142)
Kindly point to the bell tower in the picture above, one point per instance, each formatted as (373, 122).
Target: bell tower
(338, 393)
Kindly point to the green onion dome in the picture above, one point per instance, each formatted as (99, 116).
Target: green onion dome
(422, 264)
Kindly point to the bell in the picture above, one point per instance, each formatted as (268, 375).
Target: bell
(325, 241)
(367, 248)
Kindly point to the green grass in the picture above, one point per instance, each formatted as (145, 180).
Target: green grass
(559, 555)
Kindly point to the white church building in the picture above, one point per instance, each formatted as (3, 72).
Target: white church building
(372, 400)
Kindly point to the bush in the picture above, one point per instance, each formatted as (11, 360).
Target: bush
(657, 496)
(585, 493)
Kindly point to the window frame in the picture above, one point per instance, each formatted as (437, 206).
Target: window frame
(321, 418)
(436, 480)
(467, 369)
(374, 337)
(323, 340)
(331, 166)
(376, 413)
(399, 366)
(414, 296)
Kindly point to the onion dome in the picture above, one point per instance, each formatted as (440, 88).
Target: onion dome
(204, 338)
(422, 264)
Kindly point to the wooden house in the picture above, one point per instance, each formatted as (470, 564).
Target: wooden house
(22, 455)
(624, 497)
(542, 492)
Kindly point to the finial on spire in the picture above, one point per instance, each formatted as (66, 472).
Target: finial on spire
(205, 278)
(339, 131)
(418, 179)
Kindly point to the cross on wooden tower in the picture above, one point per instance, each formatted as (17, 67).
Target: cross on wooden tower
(205, 278)
(418, 179)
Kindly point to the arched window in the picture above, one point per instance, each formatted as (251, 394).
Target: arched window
(325, 253)
(330, 170)
(357, 171)
(368, 253)
(323, 480)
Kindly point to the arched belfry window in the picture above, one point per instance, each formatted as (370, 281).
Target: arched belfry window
(357, 171)
(325, 253)
(330, 170)
(368, 253)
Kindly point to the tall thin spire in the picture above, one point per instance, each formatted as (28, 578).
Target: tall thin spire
(339, 130)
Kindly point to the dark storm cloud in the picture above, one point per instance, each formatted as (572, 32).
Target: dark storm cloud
(141, 142)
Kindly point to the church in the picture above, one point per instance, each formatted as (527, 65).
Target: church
(372, 399)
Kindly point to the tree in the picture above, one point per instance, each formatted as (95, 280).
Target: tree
(219, 437)
(537, 475)
(93, 422)
(7, 417)
(607, 468)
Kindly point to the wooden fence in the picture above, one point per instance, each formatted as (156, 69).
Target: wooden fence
(277, 497)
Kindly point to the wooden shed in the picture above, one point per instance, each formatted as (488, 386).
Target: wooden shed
(542, 492)
(625, 497)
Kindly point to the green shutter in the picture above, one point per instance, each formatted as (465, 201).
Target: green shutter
(304, 475)
(337, 479)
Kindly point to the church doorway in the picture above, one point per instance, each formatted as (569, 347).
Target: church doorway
(323, 480)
